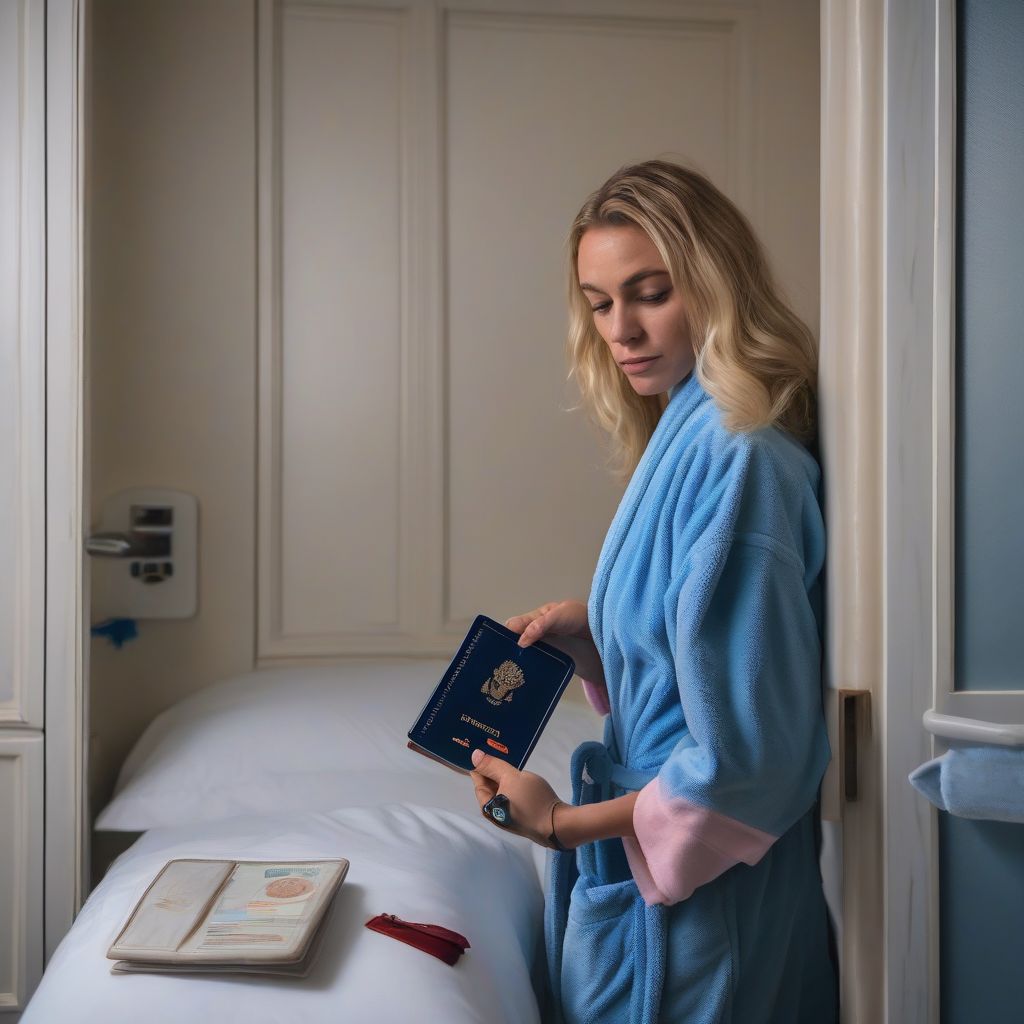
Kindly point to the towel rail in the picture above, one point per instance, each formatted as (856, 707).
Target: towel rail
(949, 727)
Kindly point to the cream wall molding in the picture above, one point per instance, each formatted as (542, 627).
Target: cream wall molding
(414, 455)
(734, 24)
(418, 589)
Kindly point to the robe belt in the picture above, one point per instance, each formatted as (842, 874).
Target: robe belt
(597, 775)
(598, 764)
(601, 768)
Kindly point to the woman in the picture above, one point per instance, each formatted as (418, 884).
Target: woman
(692, 890)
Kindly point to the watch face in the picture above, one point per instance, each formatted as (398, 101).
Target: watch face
(497, 809)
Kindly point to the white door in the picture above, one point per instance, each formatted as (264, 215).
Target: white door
(955, 569)
(41, 736)
(22, 497)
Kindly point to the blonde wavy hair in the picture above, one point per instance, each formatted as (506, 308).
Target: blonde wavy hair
(754, 356)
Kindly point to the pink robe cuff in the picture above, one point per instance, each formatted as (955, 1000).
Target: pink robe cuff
(680, 845)
(597, 694)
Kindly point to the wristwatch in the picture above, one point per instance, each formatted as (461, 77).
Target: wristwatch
(497, 809)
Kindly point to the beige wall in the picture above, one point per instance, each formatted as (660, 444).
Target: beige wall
(171, 302)
(170, 308)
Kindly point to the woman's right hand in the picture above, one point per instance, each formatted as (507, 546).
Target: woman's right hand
(564, 625)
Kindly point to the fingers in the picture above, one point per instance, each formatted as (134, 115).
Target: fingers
(556, 619)
(534, 631)
(519, 622)
(530, 801)
(483, 787)
(490, 767)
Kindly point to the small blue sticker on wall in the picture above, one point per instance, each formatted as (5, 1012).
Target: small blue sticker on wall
(117, 631)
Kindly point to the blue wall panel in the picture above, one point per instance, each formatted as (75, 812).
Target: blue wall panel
(990, 346)
(981, 864)
(981, 907)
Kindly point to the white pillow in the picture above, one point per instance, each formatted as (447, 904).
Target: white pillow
(422, 864)
(308, 738)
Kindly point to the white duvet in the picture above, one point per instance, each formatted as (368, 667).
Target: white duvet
(307, 739)
(421, 863)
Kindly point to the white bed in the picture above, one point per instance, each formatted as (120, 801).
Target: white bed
(306, 763)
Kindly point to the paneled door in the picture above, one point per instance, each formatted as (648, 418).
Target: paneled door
(954, 499)
(42, 748)
(22, 498)
(981, 862)
(420, 165)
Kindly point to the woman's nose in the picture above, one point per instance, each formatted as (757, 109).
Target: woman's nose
(624, 327)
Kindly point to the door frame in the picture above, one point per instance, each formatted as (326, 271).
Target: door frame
(917, 327)
(923, 707)
(852, 431)
(888, 220)
(66, 818)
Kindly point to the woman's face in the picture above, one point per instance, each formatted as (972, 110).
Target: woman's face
(637, 310)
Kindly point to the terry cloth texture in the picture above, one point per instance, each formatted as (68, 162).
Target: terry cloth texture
(975, 782)
(706, 612)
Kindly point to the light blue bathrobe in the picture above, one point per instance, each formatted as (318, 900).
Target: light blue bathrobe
(706, 612)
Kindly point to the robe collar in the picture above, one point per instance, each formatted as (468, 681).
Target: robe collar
(686, 385)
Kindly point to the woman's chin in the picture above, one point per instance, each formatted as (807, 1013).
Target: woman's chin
(647, 386)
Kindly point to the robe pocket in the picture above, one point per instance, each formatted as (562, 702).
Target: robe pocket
(592, 904)
(600, 955)
(700, 980)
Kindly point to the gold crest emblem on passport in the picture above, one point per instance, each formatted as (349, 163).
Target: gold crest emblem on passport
(500, 686)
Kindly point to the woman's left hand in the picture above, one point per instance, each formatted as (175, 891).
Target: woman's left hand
(530, 797)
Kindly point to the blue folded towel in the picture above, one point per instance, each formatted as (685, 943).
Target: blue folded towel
(975, 782)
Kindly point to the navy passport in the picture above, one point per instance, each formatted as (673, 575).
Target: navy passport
(495, 696)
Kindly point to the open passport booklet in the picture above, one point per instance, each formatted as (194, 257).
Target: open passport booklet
(256, 917)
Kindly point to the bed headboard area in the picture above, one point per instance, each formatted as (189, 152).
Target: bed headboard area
(326, 295)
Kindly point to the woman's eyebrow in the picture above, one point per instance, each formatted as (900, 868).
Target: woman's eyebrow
(632, 279)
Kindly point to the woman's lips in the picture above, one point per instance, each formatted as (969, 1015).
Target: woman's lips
(640, 365)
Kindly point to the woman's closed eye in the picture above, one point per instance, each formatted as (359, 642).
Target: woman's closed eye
(653, 299)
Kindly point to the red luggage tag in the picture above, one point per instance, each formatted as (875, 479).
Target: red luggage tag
(434, 939)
